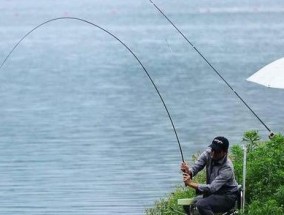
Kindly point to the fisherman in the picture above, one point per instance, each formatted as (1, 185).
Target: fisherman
(221, 189)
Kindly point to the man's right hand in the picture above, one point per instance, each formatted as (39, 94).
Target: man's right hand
(185, 168)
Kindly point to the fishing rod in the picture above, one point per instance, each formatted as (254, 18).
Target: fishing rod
(108, 32)
(271, 134)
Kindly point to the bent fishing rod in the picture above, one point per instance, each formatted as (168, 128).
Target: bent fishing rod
(115, 37)
(271, 134)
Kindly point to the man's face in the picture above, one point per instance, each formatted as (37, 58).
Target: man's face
(217, 155)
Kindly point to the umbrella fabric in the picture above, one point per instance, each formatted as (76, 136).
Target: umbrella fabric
(272, 75)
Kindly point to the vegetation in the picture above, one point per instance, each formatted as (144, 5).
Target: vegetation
(168, 205)
(264, 179)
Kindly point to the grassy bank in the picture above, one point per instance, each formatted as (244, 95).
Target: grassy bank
(264, 180)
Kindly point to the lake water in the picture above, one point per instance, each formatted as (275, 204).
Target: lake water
(82, 129)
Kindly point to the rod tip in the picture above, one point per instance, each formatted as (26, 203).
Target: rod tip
(271, 135)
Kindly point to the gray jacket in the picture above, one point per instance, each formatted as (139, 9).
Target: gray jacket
(220, 177)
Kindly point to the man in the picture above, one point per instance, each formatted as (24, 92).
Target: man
(220, 190)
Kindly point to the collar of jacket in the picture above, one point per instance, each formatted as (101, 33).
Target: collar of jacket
(220, 161)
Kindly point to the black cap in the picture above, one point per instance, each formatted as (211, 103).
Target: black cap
(220, 143)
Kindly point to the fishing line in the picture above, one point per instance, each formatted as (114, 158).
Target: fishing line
(97, 26)
(215, 70)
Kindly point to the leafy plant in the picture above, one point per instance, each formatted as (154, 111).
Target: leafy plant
(236, 156)
(279, 196)
(265, 172)
(252, 138)
(265, 207)
(168, 205)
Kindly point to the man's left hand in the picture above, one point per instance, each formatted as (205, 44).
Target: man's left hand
(186, 179)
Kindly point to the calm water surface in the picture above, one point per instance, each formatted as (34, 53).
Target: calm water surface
(82, 129)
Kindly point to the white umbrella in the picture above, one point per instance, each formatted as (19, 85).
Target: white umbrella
(272, 75)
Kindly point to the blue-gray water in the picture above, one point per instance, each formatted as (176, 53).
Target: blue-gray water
(82, 129)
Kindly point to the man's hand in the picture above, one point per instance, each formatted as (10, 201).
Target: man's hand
(185, 168)
(186, 179)
(188, 182)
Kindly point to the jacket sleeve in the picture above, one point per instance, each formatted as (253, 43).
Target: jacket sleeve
(225, 175)
(201, 162)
